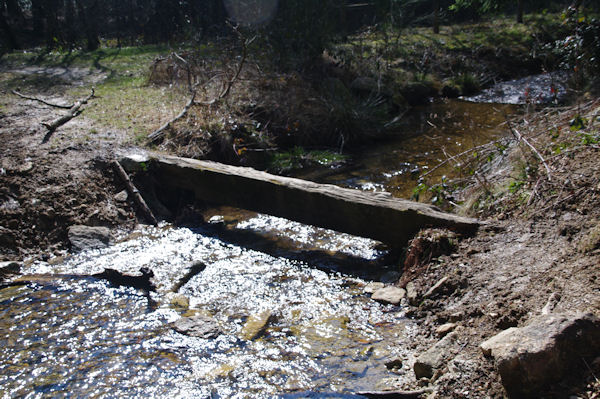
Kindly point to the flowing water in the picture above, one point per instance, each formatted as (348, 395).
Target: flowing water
(66, 334)
(429, 135)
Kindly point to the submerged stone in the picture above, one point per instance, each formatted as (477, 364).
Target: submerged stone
(255, 325)
(197, 326)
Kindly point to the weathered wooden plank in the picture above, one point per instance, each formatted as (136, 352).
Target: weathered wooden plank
(373, 215)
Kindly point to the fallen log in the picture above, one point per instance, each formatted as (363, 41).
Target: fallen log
(73, 112)
(378, 216)
(134, 192)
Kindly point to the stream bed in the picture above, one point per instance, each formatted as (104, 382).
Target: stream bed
(66, 334)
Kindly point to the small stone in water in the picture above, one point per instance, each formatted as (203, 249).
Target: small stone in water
(255, 325)
(373, 286)
(389, 294)
(197, 326)
(180, 301)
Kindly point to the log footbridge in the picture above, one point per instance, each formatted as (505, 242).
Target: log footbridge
(379, 216)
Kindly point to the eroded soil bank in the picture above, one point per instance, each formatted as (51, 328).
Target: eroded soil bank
(541, 244)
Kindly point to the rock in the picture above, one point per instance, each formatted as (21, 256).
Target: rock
(437, 287)
(87, 237)
(549, 347)
(390, 294)
(9, 269)
(7, 238)
(436, 356)
(553, 300)
(255, 325)
(412, 293)
(25, 167)
(141, 280)
(456, 316)
(121, 196)
(197, 326)
(394, 364)
(444, 329)
(373, 286)
(180, 301)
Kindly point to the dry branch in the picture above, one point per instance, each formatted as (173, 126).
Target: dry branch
(16, 93)
(520, 137)
(134, 192)
(453, 157)
(158, 134)
(73, 112)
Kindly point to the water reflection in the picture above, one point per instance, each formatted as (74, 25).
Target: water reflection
(82, 337)
(427, 136)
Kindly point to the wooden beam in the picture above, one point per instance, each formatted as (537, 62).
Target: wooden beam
(373, 215)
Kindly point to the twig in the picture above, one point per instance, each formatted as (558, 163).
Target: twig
(73, 112)
(519, 137)
(131, 189)
(16, 93)
(430, 171)
(157, 134)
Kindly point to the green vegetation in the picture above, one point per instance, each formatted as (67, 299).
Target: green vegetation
(298, 157)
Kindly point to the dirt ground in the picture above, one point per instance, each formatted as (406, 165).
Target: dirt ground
(529, 250)
(46, 187)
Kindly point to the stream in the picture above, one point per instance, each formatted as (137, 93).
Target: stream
(65, 334)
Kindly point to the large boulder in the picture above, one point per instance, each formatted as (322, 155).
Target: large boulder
(88, 237)
(551, 346)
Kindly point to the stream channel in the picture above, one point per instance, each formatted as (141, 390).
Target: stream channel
(65, 334)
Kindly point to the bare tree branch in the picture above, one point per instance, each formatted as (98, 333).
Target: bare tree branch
(16, 93)
(520, 137)
(157, 134)
(73, 112)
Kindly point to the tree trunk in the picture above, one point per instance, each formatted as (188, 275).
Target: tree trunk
(13, 10)
(70, 30)
(436, 16)
(37, 12)
(7, 33)
(89, 21)
(520, 11)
